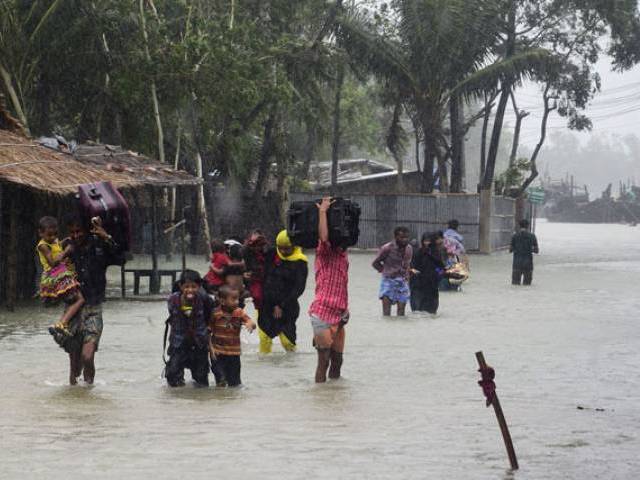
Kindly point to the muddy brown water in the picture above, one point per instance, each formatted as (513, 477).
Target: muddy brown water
(407, 407)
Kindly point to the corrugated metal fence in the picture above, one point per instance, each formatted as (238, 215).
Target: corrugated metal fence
(427, 213)
(502, 222)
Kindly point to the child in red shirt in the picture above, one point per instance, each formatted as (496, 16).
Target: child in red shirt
(219, 260)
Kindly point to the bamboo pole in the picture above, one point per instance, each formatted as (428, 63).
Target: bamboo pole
(6, 77)
(154, 281)
(493, 400)
(12, 258)
(202, 204)
(154, 92)
(2, 280)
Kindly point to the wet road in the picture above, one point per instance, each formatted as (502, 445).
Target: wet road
(408, 407)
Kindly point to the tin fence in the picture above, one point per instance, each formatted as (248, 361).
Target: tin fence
(427, 213)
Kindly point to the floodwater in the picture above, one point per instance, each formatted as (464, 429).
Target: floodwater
(408, 406)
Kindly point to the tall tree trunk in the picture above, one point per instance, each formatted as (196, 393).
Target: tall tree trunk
(494, 145)
(483, 138)
(417, 155)
(506, 85)
(456, 118)
(13, 96)
(265, 154)
(543, 135)
(154, 92)
(428, 163)
(202, 204)
(309, 150)
(520, 116)
(395, 137)
(335, 145)
(173, 200)
(443, 174)
(282, 183)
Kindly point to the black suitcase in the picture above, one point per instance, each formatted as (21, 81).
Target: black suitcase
(343, 218)
(344, 221)
(303, 224)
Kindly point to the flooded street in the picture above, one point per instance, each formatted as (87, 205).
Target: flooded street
(408, 407)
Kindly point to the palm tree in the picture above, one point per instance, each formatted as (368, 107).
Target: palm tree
(439, 50)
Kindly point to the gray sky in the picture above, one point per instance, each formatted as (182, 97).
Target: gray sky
(615, 110)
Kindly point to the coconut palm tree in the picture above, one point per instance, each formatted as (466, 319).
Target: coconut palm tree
(438, 50)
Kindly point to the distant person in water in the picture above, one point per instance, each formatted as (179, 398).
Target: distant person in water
(254, 253)
(427, 270)
(329, 310)
(455, 255)
(523, 245)
(394, 262)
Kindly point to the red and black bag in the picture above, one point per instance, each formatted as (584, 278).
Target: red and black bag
(103, 200)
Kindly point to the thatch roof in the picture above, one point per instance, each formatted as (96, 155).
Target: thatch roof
(25, 162)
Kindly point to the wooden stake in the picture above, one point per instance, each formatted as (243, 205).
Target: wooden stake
(501, 420)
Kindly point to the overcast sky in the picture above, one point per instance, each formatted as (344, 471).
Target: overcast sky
(615, 110)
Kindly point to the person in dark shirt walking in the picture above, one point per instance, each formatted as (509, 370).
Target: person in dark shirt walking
(93, 250)
(523, 245)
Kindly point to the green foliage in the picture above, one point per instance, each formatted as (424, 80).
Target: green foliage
(513, 176)
(80, 67)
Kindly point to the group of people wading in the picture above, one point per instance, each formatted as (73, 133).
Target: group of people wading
(206, 314)
(415, 272)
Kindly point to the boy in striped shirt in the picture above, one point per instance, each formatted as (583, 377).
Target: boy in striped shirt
(226, 323)
(329, 310)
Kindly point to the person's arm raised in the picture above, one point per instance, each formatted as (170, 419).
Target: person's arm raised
(323, 222)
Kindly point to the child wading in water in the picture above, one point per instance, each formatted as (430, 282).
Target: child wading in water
(58, 280)
(190, 310)
(226, 323)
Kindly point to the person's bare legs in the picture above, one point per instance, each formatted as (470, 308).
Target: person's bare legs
(337, 349)
(88, 361)
(75, 366)
(401, 309)
(323, 341)
(386, 306)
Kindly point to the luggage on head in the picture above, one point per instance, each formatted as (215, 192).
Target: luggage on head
(343, 218)
(103, 200)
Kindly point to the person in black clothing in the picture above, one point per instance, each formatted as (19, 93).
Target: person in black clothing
(427, 270)
(523, 245)
(190, 311)
(285, 274)
(93, 250)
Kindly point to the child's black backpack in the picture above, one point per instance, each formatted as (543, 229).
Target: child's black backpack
(343, 218)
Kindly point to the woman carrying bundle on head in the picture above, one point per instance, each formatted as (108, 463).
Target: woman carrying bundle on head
(285, 278)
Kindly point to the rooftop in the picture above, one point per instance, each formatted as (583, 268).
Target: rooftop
(26, 162)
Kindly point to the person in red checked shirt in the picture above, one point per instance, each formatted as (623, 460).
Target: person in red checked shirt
(329, 310)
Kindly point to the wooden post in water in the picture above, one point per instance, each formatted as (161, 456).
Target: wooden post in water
(154, 279)
(492, 399)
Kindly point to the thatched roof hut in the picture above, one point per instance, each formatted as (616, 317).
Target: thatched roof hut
(36, 180)
(26, 162)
